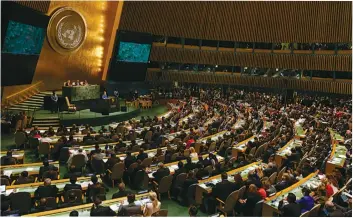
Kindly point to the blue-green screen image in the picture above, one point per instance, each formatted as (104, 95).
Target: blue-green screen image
(133, 52)
(23, 39)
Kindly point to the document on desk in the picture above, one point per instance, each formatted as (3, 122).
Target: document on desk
(8, 173)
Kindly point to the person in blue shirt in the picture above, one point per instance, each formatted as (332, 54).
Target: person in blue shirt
(306, 202)
(105, 95)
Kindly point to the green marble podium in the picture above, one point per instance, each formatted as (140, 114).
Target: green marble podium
(79, 93)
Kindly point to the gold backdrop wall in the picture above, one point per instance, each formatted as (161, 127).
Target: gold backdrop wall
(87, 62)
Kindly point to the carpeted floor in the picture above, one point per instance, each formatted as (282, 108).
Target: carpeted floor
(174, 208)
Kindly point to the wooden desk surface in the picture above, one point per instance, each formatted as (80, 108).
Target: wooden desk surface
(32, 168)
(83, 209)
(60, 184)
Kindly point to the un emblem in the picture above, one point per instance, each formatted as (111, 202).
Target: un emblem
(66, 30)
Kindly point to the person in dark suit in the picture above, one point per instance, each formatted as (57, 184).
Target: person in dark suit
(189, 164)
(142, 155)
(112, 160)
(8, 159)
(292, 209)
(42, 206)
(87, 137)
(23, 179)
(46, 167)
(131, 209)
(6, 209)
(181, 169)
(269, 170)
(98, 210)
(129, 159)
(71, 201)
(284, 183)
(161, 172)
(223, 188)
(48, 190)
(93, 190)
(73, 213)
(252, 197)
(96, 150)
(72, 185)
(122, 192)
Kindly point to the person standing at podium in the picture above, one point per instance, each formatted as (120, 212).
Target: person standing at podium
(105, 95)
(116, 93)
(54, 103)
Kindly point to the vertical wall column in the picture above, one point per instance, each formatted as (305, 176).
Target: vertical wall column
(112, 38)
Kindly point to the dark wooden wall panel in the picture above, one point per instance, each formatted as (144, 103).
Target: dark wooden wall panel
(209, 78)
(244, 21)
(264, 60)
(41, 6)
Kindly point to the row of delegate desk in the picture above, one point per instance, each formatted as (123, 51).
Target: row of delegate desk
(338, 154)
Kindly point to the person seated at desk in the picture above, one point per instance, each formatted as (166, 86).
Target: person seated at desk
(122, 192)
(71, 201)
(24, 179)
(129, 159)
(98, 210)
(193, 211)
(7, 211)
(284, 183)
(292, 209)
(112, 160)
(189, 164)
(80, 152)
(153, 206)
(87, 137)
(116, 94)
(8, 159)
(73, 171)
(46, 167)
(131, 209)
(252, 197)
(161, 172)
(68, 83)
(142, 155)
(105, 95)
(42, 206)
(73, 213)
(223, 188)
(48, 190)
(94, 189)
(96, 150)
(306, 202)
(72, 185)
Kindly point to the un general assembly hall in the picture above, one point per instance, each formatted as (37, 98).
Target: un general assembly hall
(176, 108)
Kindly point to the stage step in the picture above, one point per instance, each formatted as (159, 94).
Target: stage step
(33, 103)
(46, 122)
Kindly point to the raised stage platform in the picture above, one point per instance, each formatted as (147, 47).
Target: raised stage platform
(87, 117)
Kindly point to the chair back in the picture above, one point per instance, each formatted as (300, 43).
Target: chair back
(141, 180)
(273, 178)
(252, 151)
(191, 194)
(101, 140)
(174, 156)
(20, 138)
(44, 148)
(198, 147)
(51, 202)
(163, 213)
(280, 174)
(4, 181)
(314, 212)
(33, 142)
(135, 148)
(117, 171)
(179, 180)
(186, 152)
(231, 201)
(98, 166)
(212, 147)
(67, 101)
(148, 136)
(78, 161)
(52, 174)
(132, 168)
(165, 184)
(259, 151)
(258, 209)
(241, 192)
(21, 201)
(209, 169)
(306, 214)
(221, 146)
(122, 149)
(229, 141)
(78, 194)
(64, 155)
(161, 158)
(147, 162)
